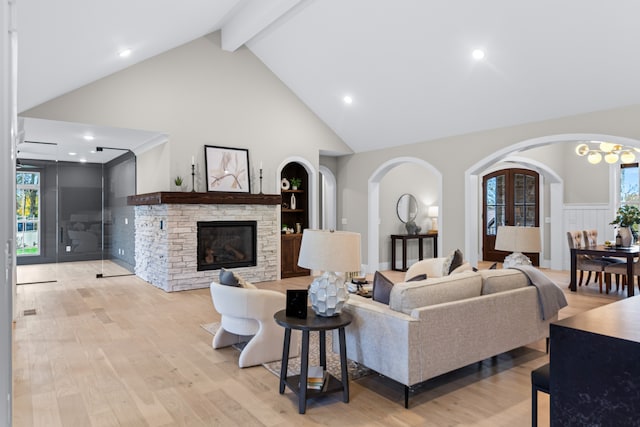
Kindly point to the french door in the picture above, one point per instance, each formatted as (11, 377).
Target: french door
(510, 197)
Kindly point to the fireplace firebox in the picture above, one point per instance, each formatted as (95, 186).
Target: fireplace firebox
(227, 244)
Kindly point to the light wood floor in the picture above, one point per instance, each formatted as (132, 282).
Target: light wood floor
(119, 352)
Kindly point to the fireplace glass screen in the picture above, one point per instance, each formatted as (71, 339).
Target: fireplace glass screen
(226, 244)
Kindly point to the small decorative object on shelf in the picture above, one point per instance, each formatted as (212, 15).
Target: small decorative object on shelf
(295, 183)
(193, 178)
(178, 182)
(293, 201)
(284, 184)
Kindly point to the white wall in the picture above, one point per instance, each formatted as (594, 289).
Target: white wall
(201, 95)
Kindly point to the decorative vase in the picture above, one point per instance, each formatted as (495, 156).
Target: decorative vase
(627, 236)
(284, 184)
(293, 201)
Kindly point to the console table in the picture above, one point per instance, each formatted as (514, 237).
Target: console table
(404, 238)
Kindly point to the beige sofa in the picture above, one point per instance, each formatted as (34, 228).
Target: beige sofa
(440, 324)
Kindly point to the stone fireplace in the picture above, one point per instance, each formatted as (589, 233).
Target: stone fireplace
(166, 236)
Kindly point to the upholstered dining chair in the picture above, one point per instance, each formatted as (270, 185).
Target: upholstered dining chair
(620, 268)
(247, 314)
(583, 262)
(591, 239)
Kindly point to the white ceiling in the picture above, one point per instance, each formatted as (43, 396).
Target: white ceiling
(406, 63)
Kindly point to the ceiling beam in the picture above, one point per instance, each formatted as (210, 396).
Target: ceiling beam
(254, 17)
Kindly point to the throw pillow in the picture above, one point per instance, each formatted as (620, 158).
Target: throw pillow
(418, 278)
(456, 261)
(228, 278)
(381, 288)
(451, 262)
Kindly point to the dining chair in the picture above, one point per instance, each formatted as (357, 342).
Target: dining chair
(583, 262)
(618, 269)
(591, 239)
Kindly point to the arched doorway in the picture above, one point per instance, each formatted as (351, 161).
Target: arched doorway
(554, 223)
(327, 199)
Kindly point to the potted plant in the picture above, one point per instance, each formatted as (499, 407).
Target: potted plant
(178, 182)
(295, 183)
(627, 219)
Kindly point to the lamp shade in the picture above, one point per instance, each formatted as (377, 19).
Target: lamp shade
(335, 251)
(432, 212)
(518, 239)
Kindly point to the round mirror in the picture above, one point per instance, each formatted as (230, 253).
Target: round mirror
(407, 208)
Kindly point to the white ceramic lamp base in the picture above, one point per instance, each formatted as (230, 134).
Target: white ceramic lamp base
(515, 259)
(328, 294)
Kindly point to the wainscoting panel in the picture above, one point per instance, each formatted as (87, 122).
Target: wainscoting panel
(586, 217)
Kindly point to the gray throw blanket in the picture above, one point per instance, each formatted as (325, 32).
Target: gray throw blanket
(550, 295)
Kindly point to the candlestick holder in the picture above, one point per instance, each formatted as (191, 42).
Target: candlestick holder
(260, 180)
(193, 178)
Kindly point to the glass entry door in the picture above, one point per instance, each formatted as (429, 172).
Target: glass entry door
(72, 220)
(36, 213)
(510, 197)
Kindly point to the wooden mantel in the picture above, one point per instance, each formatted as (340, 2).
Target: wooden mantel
(211, 198)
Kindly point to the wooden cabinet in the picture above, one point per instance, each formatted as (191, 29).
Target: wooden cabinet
(290, 247)
(294, 215)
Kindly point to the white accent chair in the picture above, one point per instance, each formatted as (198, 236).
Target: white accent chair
(247, 313)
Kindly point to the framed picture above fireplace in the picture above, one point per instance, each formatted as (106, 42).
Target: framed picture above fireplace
(227, 169)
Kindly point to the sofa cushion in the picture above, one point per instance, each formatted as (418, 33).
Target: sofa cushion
(502, 280)
(406, 296)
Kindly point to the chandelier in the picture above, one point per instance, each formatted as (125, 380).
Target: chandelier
(608, 151)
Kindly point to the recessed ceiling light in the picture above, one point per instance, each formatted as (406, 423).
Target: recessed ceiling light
(348, 99)
(125, 53)
(83, 160)
(92, 151)
(477, 54)
(89, 137)
(71, 153)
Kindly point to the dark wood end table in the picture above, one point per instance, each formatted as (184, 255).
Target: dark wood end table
(298, 383)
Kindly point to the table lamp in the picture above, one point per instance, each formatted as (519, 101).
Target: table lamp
(432, 212)
(517, 240)
(334, 253)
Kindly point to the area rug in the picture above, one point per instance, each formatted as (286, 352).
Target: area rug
(354, 369)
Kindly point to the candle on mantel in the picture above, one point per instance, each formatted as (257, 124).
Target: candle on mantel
(260, 164)
(193, 160)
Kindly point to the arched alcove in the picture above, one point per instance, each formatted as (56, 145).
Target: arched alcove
(373, 247)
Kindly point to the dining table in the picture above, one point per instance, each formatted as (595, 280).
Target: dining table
(629, 253)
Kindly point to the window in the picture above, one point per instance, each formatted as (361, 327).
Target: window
(629, 184)
(28, 213)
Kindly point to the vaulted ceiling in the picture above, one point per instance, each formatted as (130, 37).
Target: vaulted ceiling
(406, 64)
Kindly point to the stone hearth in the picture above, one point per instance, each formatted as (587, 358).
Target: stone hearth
(166, 235)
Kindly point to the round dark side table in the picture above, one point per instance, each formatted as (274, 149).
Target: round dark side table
(298, 383)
